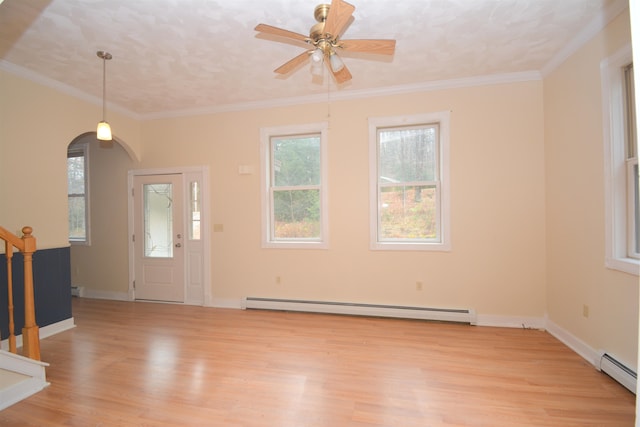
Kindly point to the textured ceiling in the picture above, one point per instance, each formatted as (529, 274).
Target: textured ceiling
(172, 56)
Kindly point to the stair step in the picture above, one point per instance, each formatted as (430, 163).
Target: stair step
(20, 378)
(9, 378)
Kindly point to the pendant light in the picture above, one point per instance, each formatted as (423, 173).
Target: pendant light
(104, 130)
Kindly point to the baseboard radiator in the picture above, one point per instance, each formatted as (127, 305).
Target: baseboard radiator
(357, 309)
(618, 371)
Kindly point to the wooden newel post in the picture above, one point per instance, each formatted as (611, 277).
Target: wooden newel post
(30, 332)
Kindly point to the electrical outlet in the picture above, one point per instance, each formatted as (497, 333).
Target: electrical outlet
(418, 286)
(585, 310)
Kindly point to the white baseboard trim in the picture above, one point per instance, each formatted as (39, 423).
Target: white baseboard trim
(510, 321)
(97, 294)
(363, 309)
(56, 328)
(574, 343)
(44, 332)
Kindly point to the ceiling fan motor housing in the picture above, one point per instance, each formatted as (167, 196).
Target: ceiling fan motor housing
(320, 13)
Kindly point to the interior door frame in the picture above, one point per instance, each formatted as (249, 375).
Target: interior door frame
(202, 172)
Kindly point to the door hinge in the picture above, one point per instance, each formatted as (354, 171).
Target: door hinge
(133, 237)
(132, 192)
(134, 284)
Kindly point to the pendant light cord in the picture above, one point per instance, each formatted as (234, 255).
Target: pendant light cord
(104, 88)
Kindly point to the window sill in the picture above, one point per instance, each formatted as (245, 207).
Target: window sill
(397, 246)
(295, 245)
(626, 265)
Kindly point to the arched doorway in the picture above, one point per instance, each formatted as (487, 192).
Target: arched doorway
(97, 183)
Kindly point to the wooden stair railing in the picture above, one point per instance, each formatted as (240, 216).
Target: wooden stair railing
(30, 332)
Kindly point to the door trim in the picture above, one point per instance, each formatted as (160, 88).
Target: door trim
(203, 173)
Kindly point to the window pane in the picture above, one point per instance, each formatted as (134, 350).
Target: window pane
(77, 228)
(408, 212)
(296, 214)
(630, 111)
(194, 230)
(296, 160)
(407, 155)
(158, 219)
(636, 212)
(76, 190)
(75, 175)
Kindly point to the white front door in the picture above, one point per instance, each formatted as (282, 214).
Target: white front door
(159, 237)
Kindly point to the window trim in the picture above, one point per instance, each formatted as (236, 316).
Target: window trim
(83, 148)
(442, 118)
(615, 168)
(265, 193)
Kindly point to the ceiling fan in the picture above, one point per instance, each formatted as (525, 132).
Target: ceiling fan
(324, 43)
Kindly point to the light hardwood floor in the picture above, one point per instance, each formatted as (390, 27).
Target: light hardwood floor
(144, 364)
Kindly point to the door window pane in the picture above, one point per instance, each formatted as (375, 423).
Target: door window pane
(158, 220)
(194, 229)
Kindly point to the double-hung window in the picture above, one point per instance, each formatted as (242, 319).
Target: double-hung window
(622, 214)
(631, 160)
(294, 190)
(409, 188)
(78, 192)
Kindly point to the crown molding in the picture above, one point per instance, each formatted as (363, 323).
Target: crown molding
(354, 94)
(596, 25)
(64, 88)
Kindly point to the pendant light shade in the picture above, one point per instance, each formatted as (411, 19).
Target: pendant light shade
(104, 130)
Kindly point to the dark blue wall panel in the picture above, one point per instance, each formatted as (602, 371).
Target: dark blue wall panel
(51, 284)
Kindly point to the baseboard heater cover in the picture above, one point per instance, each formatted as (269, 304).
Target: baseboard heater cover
(359, 309)
(618, 371)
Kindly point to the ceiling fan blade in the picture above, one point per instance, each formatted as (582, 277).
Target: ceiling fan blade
(341, 76)
(338, 17)
(293, 64)
(268, 29)
(380, 47)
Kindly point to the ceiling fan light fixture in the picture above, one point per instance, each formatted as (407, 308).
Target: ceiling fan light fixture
(336, 62)
(317, 55)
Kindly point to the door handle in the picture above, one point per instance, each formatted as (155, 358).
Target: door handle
(178, 245)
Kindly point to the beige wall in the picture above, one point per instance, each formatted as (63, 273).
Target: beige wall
(526, 199)
(575, 206)
(36, 126)
(497, 179)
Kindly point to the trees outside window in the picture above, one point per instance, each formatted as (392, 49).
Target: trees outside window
(77, 193)
(409, 182)
(294, 188)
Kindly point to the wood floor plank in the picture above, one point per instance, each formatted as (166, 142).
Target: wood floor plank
(144, 364)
